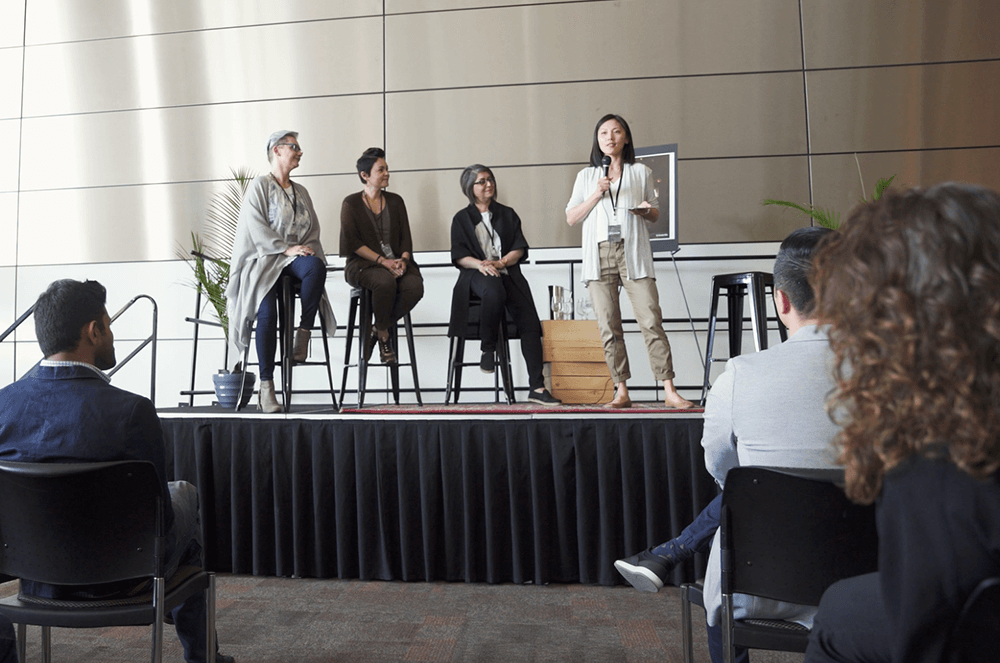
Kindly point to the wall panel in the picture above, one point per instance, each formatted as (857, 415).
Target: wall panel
(853, 33)
(52, 21)
(418, 6)
(10, 137)
(8, 230)
(253, 63)
(12, 25)
(10, 82)
(837, 184)
(716, 116)
(526, 44)
(138, 147)
(902, 108)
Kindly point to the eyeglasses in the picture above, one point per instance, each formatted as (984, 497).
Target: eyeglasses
(294, 146)
(484, 181)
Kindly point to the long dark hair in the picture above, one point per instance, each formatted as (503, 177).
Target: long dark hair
(911, 289)
(628, 154)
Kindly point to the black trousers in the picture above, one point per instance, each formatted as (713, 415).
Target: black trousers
(500, 294)
(851, 624)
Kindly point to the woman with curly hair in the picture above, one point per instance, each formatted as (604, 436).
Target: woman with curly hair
(911, 290)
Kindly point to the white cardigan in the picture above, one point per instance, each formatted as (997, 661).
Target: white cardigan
(636, 187)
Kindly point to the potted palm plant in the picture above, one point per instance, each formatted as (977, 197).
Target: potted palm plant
(829, 218)
(211, 275)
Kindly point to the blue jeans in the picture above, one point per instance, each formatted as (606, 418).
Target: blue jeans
(697, 537)
(311, 272)
(184, 546)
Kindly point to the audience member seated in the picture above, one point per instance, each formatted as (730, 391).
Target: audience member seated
(767, 408)
(911, 291)
(487, 246)
(277, 234)
(375, 239)
(650, 570)
(66, 411)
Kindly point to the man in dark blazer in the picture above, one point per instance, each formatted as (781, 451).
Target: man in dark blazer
(65, 410)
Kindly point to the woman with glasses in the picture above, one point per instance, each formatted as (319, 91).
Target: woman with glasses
(487, 246)
(375, 239)
(615, 200)
(277, 234)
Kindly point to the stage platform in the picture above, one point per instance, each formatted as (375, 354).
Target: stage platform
(474, 493)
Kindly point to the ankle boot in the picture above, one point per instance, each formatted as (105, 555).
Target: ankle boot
(266, 399)
(301, 348)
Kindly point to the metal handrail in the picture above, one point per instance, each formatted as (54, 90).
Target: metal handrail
(151, 339)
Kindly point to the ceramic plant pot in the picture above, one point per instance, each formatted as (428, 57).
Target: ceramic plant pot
(227, 388)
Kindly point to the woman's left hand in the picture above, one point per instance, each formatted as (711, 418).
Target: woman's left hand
(396, 266)
(299, 250)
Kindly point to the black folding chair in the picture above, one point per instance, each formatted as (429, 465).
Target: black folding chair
(90, 524)
(976, 635)
(786, 534)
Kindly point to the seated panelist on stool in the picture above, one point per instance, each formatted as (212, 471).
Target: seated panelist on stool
(277, 234)
(487, 245)
(375, 239)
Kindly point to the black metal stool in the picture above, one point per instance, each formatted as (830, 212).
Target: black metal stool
(456, 355)
(290, 289)
(755, 285)
(361, 308)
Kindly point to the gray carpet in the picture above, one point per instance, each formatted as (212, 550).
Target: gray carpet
(311, 621)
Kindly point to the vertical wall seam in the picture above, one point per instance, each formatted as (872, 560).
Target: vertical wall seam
(805, 96)
(17, 195)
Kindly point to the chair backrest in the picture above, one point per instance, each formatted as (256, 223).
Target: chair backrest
(976, 635)
(788, 534)
(79, 523)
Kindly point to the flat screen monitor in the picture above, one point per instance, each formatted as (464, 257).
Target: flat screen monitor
(662, 160)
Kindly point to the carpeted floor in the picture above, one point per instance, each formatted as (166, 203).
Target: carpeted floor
(311, 621)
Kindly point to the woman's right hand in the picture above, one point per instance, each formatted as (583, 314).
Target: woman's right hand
(489, 267)
(603, 184)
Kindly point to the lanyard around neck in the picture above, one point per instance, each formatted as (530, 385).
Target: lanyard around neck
(294, 199)
(615, 197)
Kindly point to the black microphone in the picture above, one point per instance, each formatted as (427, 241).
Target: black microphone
(606, 162)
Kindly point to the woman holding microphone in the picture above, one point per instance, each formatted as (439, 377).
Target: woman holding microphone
(615, 200)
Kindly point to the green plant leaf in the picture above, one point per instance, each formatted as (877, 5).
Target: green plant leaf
(221, 220)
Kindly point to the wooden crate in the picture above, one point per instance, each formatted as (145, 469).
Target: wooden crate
(575, 357)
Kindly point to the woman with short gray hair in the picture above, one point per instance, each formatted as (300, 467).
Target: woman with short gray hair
(487, 246)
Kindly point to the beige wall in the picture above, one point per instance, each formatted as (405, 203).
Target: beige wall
(132, 109)
(119, 118)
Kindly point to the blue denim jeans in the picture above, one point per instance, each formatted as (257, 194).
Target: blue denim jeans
(311, 272)
(184, 547)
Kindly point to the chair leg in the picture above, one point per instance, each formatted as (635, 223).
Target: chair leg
(758, 316)
(686, 627)
(459, 366)
(347, 353)
(452, 343)
(329, 367)
(246, 358)
(408, 323)
(210, 646)
(394, 367)
(158, 600)
(713, 319)
(22, 643)
(366, 326)
(47, 644)
(287, 341)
